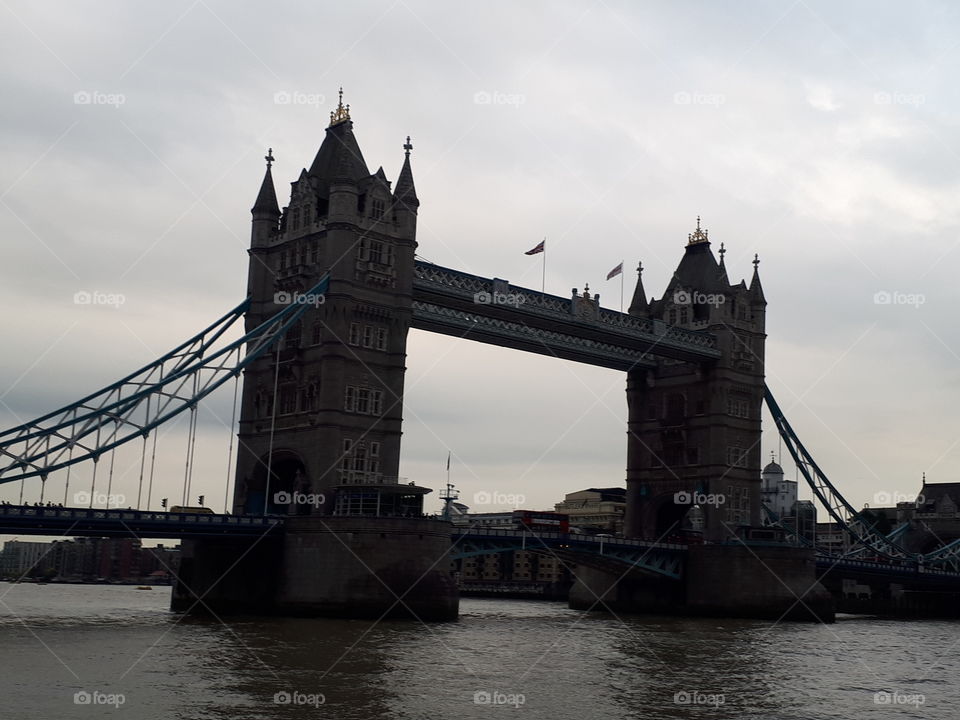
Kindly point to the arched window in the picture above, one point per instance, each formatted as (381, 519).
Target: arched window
(676, 409)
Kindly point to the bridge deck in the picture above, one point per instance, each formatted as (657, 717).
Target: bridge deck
(93, 522)
(489, 310)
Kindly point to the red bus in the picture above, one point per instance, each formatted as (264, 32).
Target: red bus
(542, 521)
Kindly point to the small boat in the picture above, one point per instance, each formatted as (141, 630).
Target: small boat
(144, 587)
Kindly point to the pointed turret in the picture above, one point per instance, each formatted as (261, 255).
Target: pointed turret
(406, 192)
(266, 205)
(339, 157)
(639, 306)
(698, 269)
(723, 267)
(756, 291)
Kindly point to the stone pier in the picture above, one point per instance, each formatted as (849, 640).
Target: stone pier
(325, 566)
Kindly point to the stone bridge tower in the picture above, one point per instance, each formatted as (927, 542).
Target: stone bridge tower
(322, 415)
(693, 453)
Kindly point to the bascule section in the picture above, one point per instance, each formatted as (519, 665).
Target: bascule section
(693, 454)
(320, 420)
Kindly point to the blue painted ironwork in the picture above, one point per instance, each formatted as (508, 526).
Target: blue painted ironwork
(97, 522)
(865, 534)
(130, 408)
(620, 554)
(491, 310)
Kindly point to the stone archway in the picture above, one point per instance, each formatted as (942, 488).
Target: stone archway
(288, 475)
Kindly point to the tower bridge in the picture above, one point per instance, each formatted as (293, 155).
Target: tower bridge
(333, 288)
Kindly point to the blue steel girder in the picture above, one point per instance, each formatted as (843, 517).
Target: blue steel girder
(133, 406)
(492, 311)
(614, 555)
(869, 540)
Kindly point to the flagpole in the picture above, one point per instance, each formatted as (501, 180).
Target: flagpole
(621, 286)
(543, 280)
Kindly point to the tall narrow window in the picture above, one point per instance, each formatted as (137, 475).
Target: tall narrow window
(354, 334)
(363, 401)
(381, 338)
(367, 336)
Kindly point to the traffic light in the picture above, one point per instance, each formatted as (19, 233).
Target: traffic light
(200, 500)
(163, 503)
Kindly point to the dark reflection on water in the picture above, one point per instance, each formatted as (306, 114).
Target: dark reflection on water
(538, 660)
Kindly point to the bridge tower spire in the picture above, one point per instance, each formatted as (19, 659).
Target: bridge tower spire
(638, 305)
(332, 393)
(694, 427)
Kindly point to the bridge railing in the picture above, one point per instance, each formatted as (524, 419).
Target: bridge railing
(139, 516)
(569, 537)
(452, 282)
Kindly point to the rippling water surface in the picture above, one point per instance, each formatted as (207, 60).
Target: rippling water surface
(502, 658)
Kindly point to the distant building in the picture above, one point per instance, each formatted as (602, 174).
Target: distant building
(494, 520)
(832, 538)
(804, 517)
(596, 509)
(20, 558)
(939, 498)
(89, 559)
(777, 493)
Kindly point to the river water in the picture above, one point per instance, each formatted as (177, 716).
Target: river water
(89, 651)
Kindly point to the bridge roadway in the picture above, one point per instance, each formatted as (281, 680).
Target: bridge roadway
(666, 559)
(98, 522)
(490, 310)
(617, 555)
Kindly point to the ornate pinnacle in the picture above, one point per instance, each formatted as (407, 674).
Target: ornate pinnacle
(698, 235)
(341, 113)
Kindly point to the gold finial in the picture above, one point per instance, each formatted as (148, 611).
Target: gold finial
(341, 113)
(407, 146)
(269, 157)
(698, 235)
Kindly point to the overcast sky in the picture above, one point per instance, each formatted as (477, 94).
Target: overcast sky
(822, 135)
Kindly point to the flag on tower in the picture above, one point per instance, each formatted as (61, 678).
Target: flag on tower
(616, 271)
(541, 246)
